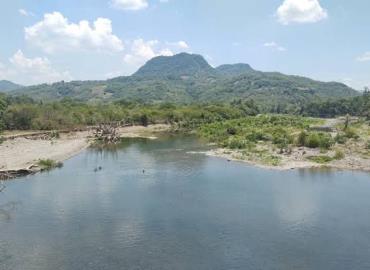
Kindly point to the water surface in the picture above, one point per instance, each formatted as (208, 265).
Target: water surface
(154, 205)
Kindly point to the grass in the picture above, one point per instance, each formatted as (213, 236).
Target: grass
(321, 159)
(49, 164)
(339, 154)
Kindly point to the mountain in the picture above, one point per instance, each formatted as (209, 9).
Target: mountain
(235, 69)
(187, 78)
(6, 86)
(182, 64)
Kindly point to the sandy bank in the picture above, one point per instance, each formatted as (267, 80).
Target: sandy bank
(21, 151)
(297, 160)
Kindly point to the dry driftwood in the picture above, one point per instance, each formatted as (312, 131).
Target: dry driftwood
(107, 133)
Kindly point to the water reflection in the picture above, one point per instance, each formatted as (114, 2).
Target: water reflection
(184, 211)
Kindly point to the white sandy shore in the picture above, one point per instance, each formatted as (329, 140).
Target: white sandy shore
(295, 161)
(23, 152)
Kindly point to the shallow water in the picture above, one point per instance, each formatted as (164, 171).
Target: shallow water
(154, 205)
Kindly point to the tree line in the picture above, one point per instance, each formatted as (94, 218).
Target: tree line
(24, 113)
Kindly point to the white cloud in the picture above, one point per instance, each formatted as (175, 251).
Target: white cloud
(31, 70)
(56, 33)
(364, 58)
(182, 44)
(300, 11)
(273, 45)
(25, 13)
(130, 4)
(179, 45)
(142, 51)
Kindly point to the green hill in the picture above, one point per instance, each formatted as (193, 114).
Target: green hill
(182, 64)
(6, 86)
(188, 78)
(235, 69)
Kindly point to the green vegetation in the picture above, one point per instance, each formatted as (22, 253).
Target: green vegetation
(319, 139)
(279, 130)
(6, 86)
(359, 106)
(24, 114)
(188, 79)
(339, 154)
(321, 159)
(48, 164)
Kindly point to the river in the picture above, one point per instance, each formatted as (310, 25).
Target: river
(157, 204)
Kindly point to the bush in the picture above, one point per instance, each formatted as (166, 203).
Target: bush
(351, 134)
(302, 138)
(231, 131)
(321, 159)
(340, 138)
(313, 140)
(338, 155)
(326, 141)
(368, 145)
(49, 164)
(237, 143)
(55, 134)
(321, 140)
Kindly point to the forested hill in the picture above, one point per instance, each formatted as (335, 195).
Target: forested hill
(188, 78)
(6, 86)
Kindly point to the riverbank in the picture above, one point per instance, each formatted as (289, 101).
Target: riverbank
(21, 151)
(288, 142)
(298, 159)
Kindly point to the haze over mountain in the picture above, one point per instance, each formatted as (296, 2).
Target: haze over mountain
(6, 86)
(186, 78)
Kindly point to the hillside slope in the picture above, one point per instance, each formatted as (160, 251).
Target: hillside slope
(186, 78)
(6, 86)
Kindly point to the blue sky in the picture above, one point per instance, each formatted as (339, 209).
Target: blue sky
(47, 41)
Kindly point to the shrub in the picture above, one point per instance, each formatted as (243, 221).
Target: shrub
(368, 145)
(338, 155)
(340, 138)
(321, 159)
(326, 141)
(321, 140)
(313, 140)
(255, 136)
(351, 134)
(302, 138)
(49, 164)
(237, 143)
(54, 134)
(231, 131)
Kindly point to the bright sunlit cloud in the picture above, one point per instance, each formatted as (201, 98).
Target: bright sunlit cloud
(55, 33)
(26, 70)
(300, 11)
(129, 4)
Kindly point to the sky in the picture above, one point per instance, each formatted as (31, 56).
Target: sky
(48, 41)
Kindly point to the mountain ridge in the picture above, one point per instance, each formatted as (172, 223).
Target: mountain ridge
(6, 86)
(188, 78)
